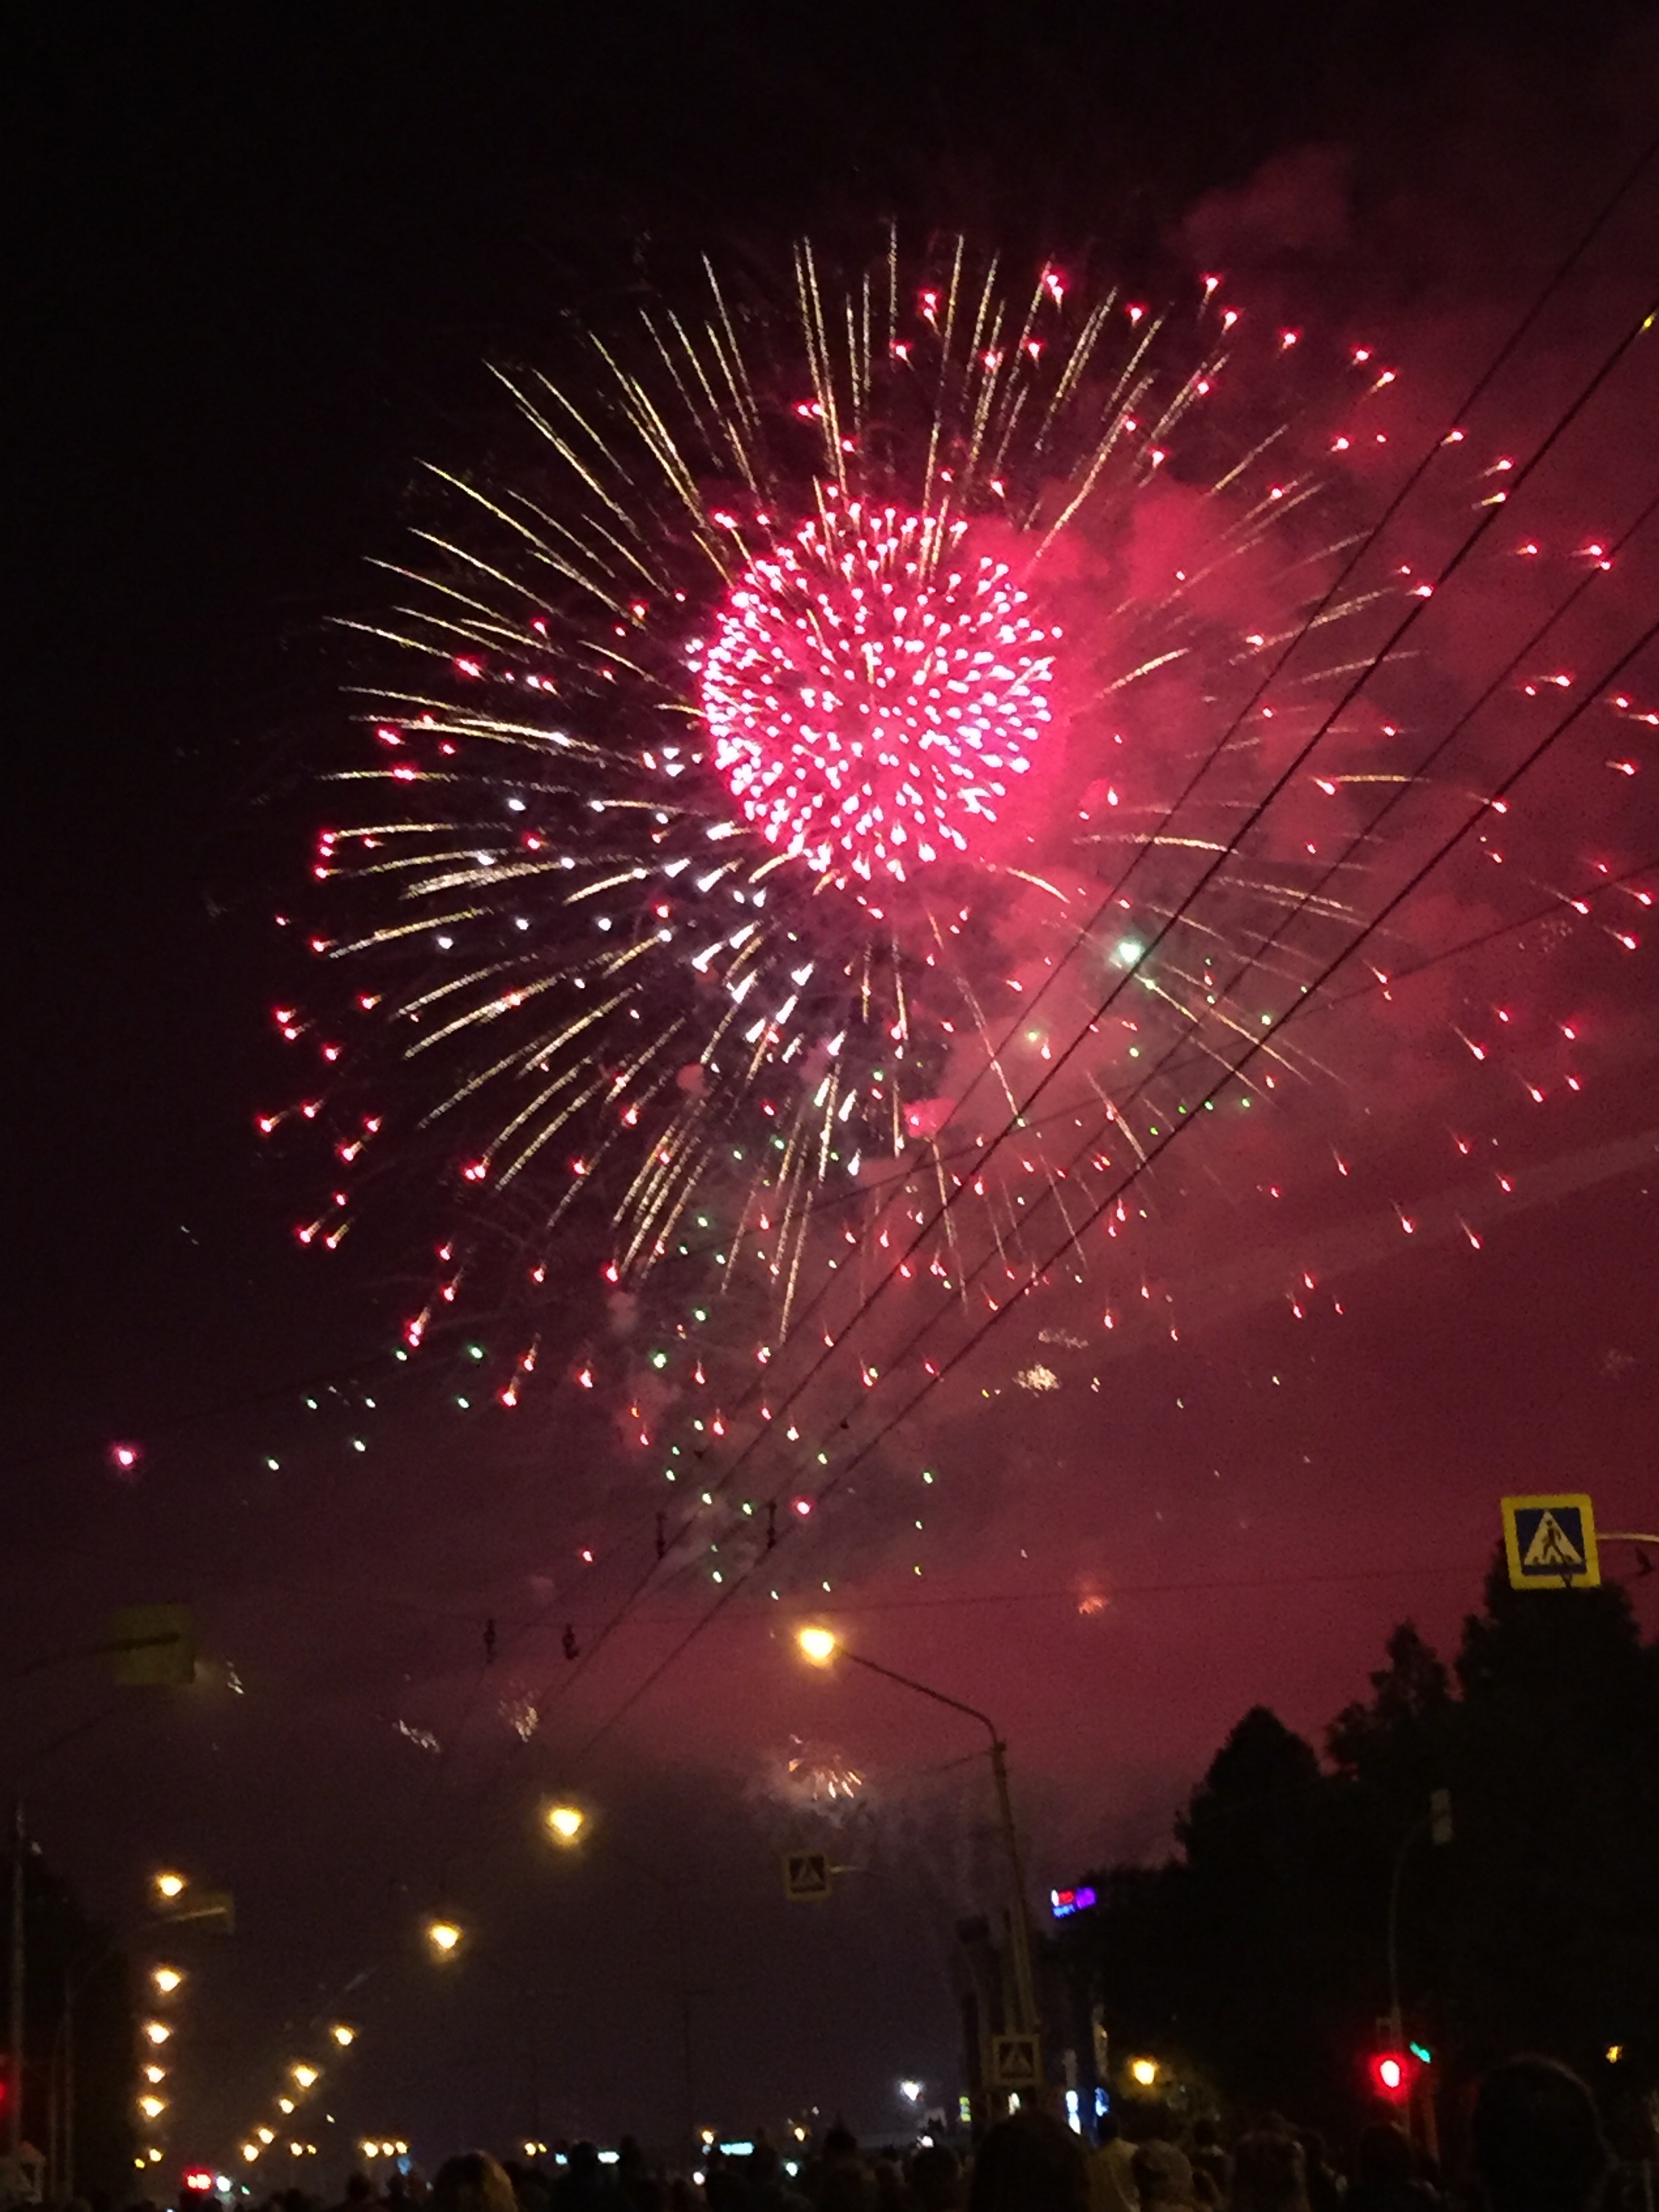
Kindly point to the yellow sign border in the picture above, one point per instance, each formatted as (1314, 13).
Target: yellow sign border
(1579, 1501)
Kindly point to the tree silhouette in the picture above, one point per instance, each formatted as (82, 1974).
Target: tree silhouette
(1257, 1954)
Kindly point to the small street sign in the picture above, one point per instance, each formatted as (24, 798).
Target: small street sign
(1550, 1542)
(1017, 2061)
(806, 1876)
(152, 1645)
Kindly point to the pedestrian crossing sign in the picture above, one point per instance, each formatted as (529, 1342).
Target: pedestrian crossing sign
(1017, 2063)
(1550, 1542)
(806, 1876)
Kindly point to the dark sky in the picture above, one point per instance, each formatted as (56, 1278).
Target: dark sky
(259, 258)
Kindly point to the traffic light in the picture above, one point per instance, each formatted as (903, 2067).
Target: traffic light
(196, 2185)
(1391, 2075)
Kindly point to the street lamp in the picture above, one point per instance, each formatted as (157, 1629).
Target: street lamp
(156, 2031)
(444, 1936)
(1143, 2072)
(166, 1979)
(301, 2073)
(564, 1823)
(168, 1886)
(344, 2036)
(152, 2108)
(820, 1646)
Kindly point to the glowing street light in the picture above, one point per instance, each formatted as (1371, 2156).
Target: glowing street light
(152, 2108)
(267, 2135)
(152, 2074)
(565, 1822)
(344, 2036)
(285, 2105)
(302, 2074)
(444, 1936)
(911, 2091)
(1143, 2072)
(168, 1886)
(820, 1645)
(157, 2030)
(166, 1979)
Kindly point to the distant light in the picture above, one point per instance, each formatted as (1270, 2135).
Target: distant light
(565, 1822)
(911, 2091)
(166, 1979)
(820, 1645)
(304, 2075)
(1615, 2052)
(1143, 2071)
(157, 2030)
(169, 1884)
(343, 2035)
(1127, 951)
(1063, 1903)
(444, 1936)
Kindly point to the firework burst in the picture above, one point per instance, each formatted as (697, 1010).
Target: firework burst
(836, 682)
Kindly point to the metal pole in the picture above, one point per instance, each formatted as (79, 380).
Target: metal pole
(67, 2187)
(1019, 1928)
(1396, 2026)
(677, 1907)
(14, 2132)
(1019, 1925)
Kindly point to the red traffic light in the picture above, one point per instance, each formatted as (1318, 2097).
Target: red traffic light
(198, 2180)
(1391, 2075)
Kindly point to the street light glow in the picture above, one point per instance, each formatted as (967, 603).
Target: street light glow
(166, 1979)
(820, 1645)
(911, 2091)
(157, 2030)
(265, 2135)
(344, 2036)
(565, 1822)
(444, 1936)
(1143, 2071)
(169, 1884)
(304, 2075)
(285, 2104)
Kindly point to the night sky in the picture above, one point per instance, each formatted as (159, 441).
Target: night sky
(260, 260)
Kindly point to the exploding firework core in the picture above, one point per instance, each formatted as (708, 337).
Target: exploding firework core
(872, 691)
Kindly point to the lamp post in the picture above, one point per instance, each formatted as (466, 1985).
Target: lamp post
(822, 1646)
(564, 1823)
